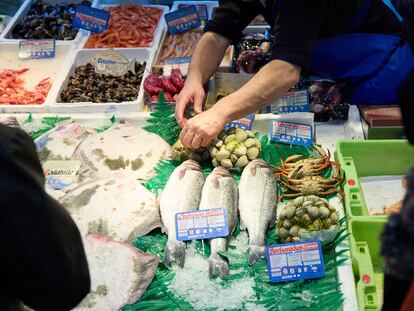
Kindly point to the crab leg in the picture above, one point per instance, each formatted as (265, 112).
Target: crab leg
(291, 195)
(293, 158)
(333, 191)
(290, 187)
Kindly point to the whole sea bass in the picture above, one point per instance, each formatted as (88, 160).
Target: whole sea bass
(220, 191)
(182, 193)
(257, 205)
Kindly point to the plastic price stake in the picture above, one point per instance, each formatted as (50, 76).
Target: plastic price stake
(293, 101)
(291, 133)
(201, 10)
(205, 224)
(295, 261)
(182, 63)
(91, 19)
(60, 174)
(36, 49)
(244, 123)
(183, 20)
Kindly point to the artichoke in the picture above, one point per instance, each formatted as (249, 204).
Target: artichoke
(180, 153)
(234, 148)
(305, 216)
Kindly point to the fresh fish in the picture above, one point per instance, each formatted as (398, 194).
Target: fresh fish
(257, 205)
(182, 193)
(117, 206)
(61, 142)
(220, 191)
(11, 121)
(123, 148)
(120, 274)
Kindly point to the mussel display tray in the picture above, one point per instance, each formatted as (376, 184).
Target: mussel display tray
(82, 57)
(21, 13)
(158, 30)
(370, 158)
(367, 262)
(39, 69)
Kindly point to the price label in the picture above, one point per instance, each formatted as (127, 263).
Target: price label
(183, 20)
(182, 63)
(60, 174)
(244, 123)
(91, 19)
(201, 10)
(37, 49)
(295, 261)
(291, 133)
(293, 101)
(205, 224)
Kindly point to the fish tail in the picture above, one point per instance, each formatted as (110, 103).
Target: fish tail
(175, 253)
(218, 266)
(256, 252)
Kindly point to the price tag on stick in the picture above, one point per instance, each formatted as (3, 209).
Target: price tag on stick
(293, 101)
(295, 261)
(91, 19)
(244, 123)
(204, 224)
(291, 133)
(37, 49)
(182, 20)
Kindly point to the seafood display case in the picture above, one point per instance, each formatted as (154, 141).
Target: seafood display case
(29, 82)
(58, 26)
(90, 40)
(82, 58)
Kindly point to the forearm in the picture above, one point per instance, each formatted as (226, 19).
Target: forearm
(207, 57)
(271, 82)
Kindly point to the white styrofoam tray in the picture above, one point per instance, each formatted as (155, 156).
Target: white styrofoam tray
(39, 69)
(82, 57)
(158, 31)
(6, 34)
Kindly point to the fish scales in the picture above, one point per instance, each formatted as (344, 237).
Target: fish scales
(182, 193)
(117, 206)
(257, 205)
(120, 274)
(220, 191)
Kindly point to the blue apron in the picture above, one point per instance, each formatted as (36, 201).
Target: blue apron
(373, 65)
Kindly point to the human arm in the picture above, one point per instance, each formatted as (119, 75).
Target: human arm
(42, 261)
(211, 47)
(230, 18)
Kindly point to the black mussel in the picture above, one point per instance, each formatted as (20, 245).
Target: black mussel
(47, 16)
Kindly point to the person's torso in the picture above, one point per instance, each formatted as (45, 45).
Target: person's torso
(379, 18)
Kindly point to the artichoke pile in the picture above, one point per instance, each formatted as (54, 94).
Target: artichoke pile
(180, 153)
(305, 216)
(234, 148)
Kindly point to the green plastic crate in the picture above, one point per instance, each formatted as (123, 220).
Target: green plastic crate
(370, 158)
(367, 263)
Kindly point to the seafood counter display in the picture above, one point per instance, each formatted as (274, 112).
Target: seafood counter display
(13, 92)
(128, 190)
(47, 21)
(130, 25)
(181, 45)
(85, 85)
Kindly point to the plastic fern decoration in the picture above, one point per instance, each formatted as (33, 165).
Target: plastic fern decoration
(162, 121)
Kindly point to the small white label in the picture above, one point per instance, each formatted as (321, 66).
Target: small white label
(60, 174)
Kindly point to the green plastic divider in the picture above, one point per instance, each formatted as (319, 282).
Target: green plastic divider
(367, 262)
(370, 158)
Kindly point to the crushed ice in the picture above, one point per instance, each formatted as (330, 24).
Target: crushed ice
(193, 284)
